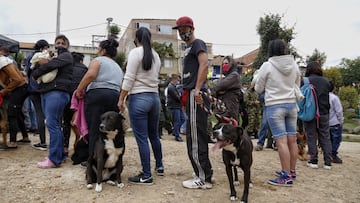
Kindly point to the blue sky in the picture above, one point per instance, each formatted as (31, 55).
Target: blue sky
(331, 26)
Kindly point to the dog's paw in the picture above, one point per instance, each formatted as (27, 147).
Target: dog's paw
(110, 182)
(98, 187)
(236, 183)
(89, 186)
(233, 198)
(250, 185)
(120, 185)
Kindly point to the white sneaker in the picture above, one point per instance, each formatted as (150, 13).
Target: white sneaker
(326, 167)
(311, 165)
(196, 183)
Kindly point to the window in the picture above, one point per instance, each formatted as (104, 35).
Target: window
(164, 29)
(138, 25)
(167, 63)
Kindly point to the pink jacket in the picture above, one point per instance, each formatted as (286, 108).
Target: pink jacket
(79, 120)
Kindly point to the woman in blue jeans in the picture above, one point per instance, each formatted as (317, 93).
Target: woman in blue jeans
(141, 83)
(54, 97)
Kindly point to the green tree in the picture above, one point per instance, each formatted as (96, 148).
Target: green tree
(164, 50)
(120, 59)
(18, 58)
(349, 97)
(334, 75)
(269, 28)
(317, 56)
(350, 71)
(114, 31)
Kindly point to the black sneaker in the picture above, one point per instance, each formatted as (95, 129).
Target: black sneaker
(178, 138)
(84, 164)
(4, 147)
(39, 146)
(160, 171)
(141, 180)
(337, 160)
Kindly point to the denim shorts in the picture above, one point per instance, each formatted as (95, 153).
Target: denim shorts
(282, 119)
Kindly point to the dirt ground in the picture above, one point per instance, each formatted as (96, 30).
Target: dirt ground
(22, 181)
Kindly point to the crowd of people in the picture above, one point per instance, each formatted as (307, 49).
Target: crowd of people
(103, 86)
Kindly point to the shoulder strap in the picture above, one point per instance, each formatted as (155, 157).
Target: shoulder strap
(306, 80)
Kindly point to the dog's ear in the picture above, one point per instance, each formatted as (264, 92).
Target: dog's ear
(239, 130)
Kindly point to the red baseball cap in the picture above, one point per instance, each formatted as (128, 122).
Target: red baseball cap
(184, 21)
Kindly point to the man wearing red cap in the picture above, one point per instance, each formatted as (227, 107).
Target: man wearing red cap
(195, 70)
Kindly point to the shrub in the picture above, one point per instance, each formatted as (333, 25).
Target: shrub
(349, 97)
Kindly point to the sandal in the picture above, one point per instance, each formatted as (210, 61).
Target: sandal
(11, 146)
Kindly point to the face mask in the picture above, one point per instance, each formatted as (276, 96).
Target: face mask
(60, 49)
(225, 67)
(186, 36)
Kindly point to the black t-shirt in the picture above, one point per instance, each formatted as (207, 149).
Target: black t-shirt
(191, 63)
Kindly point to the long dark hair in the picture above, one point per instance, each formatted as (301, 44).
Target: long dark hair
(143, 35)
(110, 46)
(277, 47)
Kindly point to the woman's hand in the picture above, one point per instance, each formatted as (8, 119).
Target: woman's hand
(121, 106)
(80, 94)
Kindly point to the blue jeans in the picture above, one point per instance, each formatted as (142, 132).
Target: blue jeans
(53, 104)
(335, 137)
(282, 119)
(263, 128)
(144, 112)
(178, 120)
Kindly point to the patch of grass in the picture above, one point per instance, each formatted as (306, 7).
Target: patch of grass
(347, 139)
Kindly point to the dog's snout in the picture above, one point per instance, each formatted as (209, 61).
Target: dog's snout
(102, 126)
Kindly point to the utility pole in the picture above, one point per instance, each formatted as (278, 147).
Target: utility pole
(58, 18)
(109, 19)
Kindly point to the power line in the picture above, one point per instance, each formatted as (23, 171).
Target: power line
(67, 30)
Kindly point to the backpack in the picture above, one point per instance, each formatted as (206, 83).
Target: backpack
(308, 107)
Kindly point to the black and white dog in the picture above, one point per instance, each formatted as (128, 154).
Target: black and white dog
(106, 164)
(237, 152)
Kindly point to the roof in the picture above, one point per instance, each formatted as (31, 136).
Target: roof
(13, 45)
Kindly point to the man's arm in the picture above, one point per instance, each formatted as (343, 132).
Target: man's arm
(202, 73)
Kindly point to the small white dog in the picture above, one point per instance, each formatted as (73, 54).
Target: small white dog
(48, 77)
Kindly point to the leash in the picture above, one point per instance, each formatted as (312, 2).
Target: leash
(218, 104)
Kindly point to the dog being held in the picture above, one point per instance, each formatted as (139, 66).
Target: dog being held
(237, 152)
(106, 163)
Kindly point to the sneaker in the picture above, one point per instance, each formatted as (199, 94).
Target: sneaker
(178, 138)
(141, 180)
(160, 171)
(292, 174)
(283, 180)
(312, 164)
(258, 148)
(39, 146)
(47, 163)
(196, 183)
(4, 147)
(84, 164)
(327, 166)
(337, 160)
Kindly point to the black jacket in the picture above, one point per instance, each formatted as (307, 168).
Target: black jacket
(322, 88)
(173, 96)
(64, 64)
(228, 90)
(79, 71)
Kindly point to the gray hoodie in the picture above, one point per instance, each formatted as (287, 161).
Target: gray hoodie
(280, 78)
